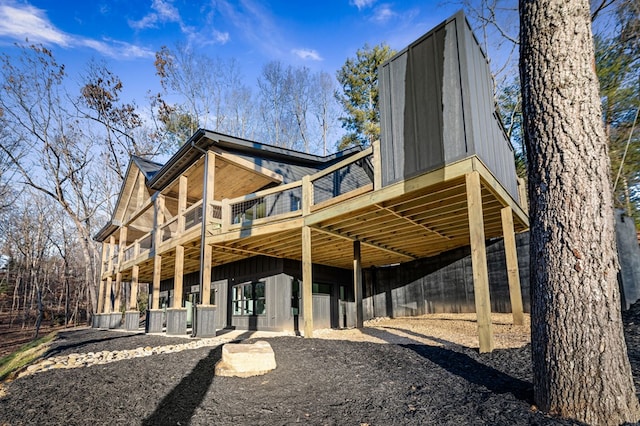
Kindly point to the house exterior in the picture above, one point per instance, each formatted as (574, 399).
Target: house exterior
(235, 233)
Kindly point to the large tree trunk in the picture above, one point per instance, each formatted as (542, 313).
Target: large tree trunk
(580, 363)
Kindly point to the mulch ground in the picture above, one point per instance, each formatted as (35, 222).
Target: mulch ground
(319, 382)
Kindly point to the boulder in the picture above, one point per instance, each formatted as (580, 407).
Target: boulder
(246, 359)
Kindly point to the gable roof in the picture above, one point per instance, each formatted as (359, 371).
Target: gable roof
(147, 167)
(158, 176)
(203, 139)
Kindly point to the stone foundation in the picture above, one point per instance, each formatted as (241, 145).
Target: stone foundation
(177, 321)
(154, 321)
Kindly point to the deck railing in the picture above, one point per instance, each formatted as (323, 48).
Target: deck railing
(193, 215)
(267, 204)
(346, 179)
(343, 180)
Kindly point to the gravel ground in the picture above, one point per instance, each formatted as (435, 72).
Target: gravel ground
(318, 381)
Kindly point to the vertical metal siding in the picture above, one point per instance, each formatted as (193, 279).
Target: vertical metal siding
(437, 107)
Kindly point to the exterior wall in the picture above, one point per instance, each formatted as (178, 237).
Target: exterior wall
(442, 284)
(437, 107)
(279, 276)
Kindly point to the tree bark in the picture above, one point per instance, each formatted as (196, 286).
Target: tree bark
(580, 363)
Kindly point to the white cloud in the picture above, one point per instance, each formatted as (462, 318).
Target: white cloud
(307, 54)
(220, 37)
(163, 12)
(362, 4)
(25, 21)
(383, 13)
(116, 49)
(20, 22)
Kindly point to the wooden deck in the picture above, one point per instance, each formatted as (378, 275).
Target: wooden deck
(412, 219)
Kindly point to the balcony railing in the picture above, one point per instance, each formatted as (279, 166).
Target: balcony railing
(343, 180)
(349, 178)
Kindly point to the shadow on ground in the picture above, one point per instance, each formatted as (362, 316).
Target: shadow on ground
(180, 404)
(464, 366)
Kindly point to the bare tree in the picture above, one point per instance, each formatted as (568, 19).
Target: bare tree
(59, 158)
(324, 107)
(580, 363)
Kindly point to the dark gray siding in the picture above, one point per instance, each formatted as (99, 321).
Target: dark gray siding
(443, 283)
(437, 107)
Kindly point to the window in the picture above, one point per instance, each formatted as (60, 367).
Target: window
(249, 299)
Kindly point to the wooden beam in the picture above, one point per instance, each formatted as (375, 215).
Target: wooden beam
(155, 289)
(377, 166)
(357, 283)
(206, 275)
(479, 262)
(367, 243)
(178, 277)
(307, 195)
(248, 165)
(408, 219)
(513, 275)
(105, 252)
(208, 191)
(307, 282)
(451, 171)
(182, 202)
(107, 290)
(117, 303)
(133, 297)
(522, 194)
(499, 191)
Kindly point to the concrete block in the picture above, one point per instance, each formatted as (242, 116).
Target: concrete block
(177, 321)
(105, 320)
(154, 321)
(205, 321)
(246, 360)
(131, 320)
(95, 321)
(115, 320)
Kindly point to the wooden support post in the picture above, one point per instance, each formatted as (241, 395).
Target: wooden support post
(205, 249)
(105, 253)
(117, 303)
(513, 275)
(133, 297)
(307, 281)
(479, 261)
(155, 290)
(159, 220)
(178, 277)
(307, 195)
(226, 215)
(107, 289)
(182, 203)
(107, 296)
(522, 194)
(206, 276)
(357, 283)
(122, 243)
(377, 166)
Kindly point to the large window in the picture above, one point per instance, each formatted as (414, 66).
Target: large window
(249, 299)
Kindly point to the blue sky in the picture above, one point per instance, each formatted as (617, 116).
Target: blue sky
(127, 33)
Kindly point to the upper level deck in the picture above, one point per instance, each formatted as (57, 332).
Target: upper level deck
(410, 219)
